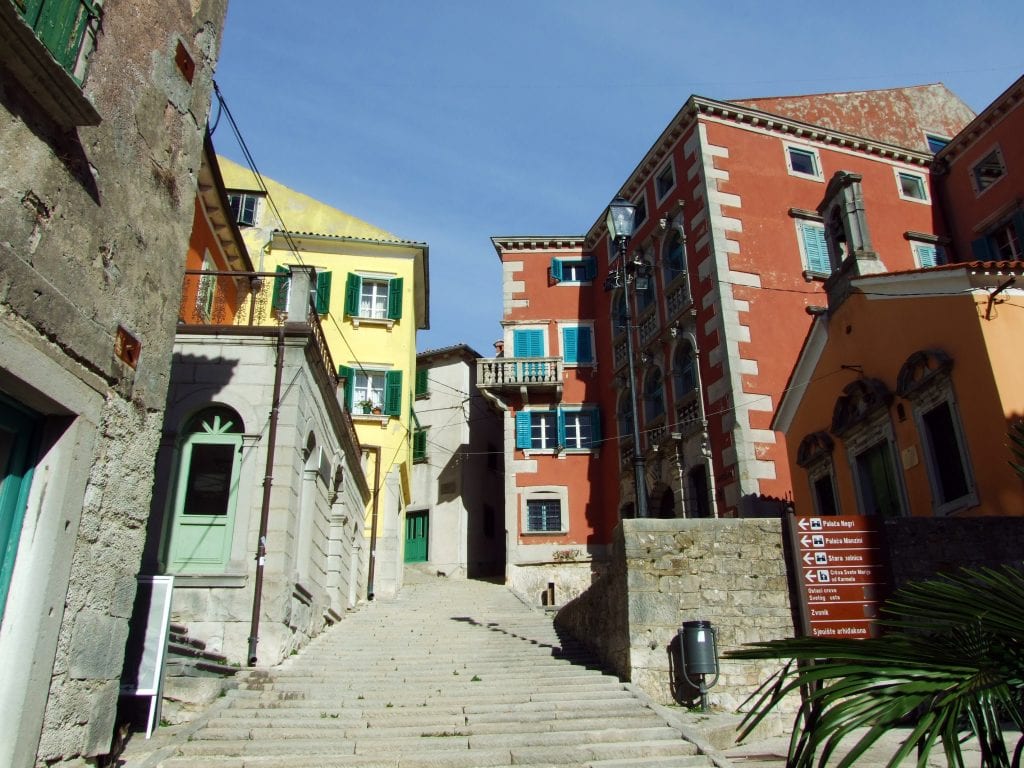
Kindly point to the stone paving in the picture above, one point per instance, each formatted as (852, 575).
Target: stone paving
(450, 673)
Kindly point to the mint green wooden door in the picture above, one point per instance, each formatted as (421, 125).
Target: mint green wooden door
(417, 530)
(16, 463)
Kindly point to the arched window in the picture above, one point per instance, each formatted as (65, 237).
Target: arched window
(619, 313)
(684, 373)
(206, 492)
(624, 414)
(672, 257)
(654, 395)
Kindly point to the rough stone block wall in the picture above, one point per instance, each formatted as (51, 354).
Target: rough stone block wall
(665, 572)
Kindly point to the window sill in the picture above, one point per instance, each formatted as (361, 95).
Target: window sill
(372, 321)
(536, 534)
(379, 418)
(40, 75)
(210, 581)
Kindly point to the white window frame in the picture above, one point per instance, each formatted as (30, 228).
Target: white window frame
(932, 396)
(374, 312)
(800, 222)
(243, 197)
(668, 167)
(940, 252)
(557, 493)
(997, 152)
(593, 413)
(920, 178)
(788, 147)
(363, 388)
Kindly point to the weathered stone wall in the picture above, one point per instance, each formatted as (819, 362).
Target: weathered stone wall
(665, 572)
(94, 227)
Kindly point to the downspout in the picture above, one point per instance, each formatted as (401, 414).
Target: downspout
(375, 449)
(268, 479)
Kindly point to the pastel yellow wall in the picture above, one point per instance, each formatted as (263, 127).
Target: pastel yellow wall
(372, 345)
(877, 336)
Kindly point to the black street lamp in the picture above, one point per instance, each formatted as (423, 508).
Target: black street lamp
(620, 220)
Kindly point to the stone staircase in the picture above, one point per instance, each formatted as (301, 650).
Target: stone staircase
(457, 674)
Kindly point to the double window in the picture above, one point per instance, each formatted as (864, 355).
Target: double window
(244, 207)
(581, 270)
(1003, 242)
(367, 389)
(372, 297)
(569, 428)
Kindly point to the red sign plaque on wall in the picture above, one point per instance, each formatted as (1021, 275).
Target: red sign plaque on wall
(840, 571)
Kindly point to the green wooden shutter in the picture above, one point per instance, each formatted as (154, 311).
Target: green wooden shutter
(395, 298)
(421, 382)
(353, 288)
(349, 375)
(279, 297)
(393, 393)
(815, 248)
(523, 429)
(419, 445)
(323, 293)
(556, 270)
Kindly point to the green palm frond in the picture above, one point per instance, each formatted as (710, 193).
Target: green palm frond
(1016, 435)
(951, 661)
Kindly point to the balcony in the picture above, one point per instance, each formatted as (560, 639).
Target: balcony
(520, 373)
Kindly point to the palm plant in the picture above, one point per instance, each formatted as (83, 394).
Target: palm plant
(1016, 435)
(950, 665)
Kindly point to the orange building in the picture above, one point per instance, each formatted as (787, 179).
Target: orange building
(907, 383)
(745, 211)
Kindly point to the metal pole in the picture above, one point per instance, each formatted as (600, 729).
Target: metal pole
(639, 469)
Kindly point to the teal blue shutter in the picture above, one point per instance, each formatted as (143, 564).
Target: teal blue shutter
(570, 348)
(528, 342)
(349, 375)
(395, 298)
(927, 254)
(585, 349)
(523, 430)
(561, 427)
(815, 248)
(393, 393)
(556, 270)
(323, 293)
(589, 268)
(15, 480)
(353, 287)
(982, 250)
(279, 299)
(595, 427)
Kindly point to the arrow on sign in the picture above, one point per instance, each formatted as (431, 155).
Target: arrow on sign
(812, 575)
(802, 523)
(809, 558)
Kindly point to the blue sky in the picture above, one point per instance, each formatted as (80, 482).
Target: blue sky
(450, 121)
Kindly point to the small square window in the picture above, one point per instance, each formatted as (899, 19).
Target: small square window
(911, 186)
(543, 515)
(988, 170)
(665, 181)
(936, 143)
(243, 207)
(803, 161)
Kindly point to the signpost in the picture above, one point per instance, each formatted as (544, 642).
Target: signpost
(841, 573)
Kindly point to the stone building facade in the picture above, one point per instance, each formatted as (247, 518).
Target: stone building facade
(101, 132)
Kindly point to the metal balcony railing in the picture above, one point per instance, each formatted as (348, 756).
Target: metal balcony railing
(498, 372)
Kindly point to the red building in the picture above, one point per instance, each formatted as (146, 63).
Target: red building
(746, 211)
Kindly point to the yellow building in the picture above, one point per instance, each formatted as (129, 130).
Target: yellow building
(372, 297)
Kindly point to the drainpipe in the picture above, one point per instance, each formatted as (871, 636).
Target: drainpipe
(268, 479)
(375, 449)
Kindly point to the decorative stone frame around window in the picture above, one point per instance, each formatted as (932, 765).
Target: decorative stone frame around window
(815, 456)
(988, 170)
(544, 494)
(803, 161)
(925, 381)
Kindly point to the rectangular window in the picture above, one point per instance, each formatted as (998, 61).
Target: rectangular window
(803, 161)
(573, 270)
(419, 445)
(928, 254)
(911, 186)
(578, 429)
(935, 143)
(988, 170)
(876, 480)
(945, 452)
(543, 515)
(575, 429)
(528, 342)
(665, 181)
(243, 207)
(577, 345)
(369, 389)
(641, 212)
(373, 298)
(824, 495)
(813, 247)
(1003, 242)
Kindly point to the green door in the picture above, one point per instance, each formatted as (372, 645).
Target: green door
(417, 529)
(17, 426)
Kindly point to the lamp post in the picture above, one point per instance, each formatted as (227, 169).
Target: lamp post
(620, 220)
